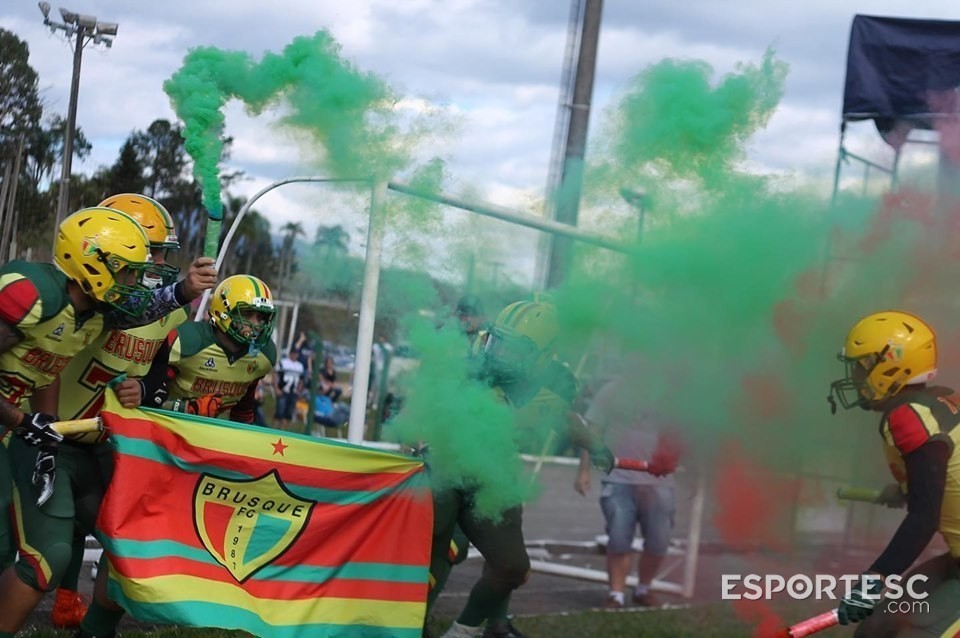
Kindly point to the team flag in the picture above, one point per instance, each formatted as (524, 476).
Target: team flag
(214, 524)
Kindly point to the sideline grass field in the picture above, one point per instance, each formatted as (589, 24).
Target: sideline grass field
(702, 621)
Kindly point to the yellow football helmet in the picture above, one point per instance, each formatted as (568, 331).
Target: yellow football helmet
(158, 225)
(522, 340)
(107, 253)
(884, 352)
(235, 295)
(150, 214)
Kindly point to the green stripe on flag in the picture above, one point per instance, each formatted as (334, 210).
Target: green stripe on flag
(205, 614)
(144, 449)
(164, 549)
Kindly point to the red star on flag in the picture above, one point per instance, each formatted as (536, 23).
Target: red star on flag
(279, 447)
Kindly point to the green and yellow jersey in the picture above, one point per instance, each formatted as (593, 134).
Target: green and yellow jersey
(116, 352)
(918, 416)
(196, 365)
(34, 302)
(542, 404)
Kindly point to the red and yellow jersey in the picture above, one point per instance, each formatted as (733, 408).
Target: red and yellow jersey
(923, 415)
(115, 352)
(34, 302)
(199, 366)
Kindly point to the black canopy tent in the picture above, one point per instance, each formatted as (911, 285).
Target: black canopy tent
(903, 74)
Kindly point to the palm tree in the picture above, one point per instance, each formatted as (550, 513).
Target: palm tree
(333, 238)
(290, 230)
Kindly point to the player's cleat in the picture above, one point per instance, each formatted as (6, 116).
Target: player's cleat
(502, 630)
(613, 603)
(68, 609)
(457, 630)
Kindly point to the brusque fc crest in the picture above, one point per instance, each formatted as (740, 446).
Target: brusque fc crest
(247, 524)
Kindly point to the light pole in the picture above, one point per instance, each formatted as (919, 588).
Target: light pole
(86, 29)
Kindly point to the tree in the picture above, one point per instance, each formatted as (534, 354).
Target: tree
(20, 107)
(127, 173)
(252, 249)
(163, 156)
(333, 238)
(288, 255)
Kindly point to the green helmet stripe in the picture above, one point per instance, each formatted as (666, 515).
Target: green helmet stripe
(518, 313)
(256, 286)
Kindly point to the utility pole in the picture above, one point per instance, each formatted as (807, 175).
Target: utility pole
(568, 195)
(86, 29)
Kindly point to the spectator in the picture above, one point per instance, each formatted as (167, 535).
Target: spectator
(259, 418)
(288, 383)
(308, 352)
(328, 380)
(628, 497)
(473, 321)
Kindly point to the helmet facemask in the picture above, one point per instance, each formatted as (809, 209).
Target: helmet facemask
(133, 286)
(510, 357)
(257, 335)
(855, 389)
(160, 274)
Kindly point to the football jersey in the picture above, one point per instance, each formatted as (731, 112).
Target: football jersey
(35, 303)
(199, 365)
(115, 352)
(541, 406)
(915, 417)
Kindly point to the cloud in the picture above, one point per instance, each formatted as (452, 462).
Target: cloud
(495, 63)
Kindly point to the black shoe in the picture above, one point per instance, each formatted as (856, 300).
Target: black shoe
(502, 630)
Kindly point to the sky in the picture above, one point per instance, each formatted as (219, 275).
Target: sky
(495, 64)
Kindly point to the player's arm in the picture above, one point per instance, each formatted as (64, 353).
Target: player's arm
(591, 443)
(10, 415)
(925, 452)
(46, 399)
(201, 276)
(152, 387)
(244, 409)
(926, 481)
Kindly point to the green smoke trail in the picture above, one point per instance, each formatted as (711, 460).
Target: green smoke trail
(336, 105)
(354, 120)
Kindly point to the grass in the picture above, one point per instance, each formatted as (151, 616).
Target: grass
(703, 621)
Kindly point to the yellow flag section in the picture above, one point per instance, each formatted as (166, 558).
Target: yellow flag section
(210, 523)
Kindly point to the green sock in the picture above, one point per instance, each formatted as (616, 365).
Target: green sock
(71, 577)
(100, 621)
(484, 602)
(498, 617)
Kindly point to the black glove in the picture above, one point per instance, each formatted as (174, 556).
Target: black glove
(859, 605)
(45, 472)
(35, 429)
(602, 458)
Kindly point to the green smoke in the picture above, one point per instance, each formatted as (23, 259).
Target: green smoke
(324, 97)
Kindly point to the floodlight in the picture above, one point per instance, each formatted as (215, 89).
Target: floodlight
(632, 197)
(44, 9)
(87, 22)
(107, 28)
(68, 16)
